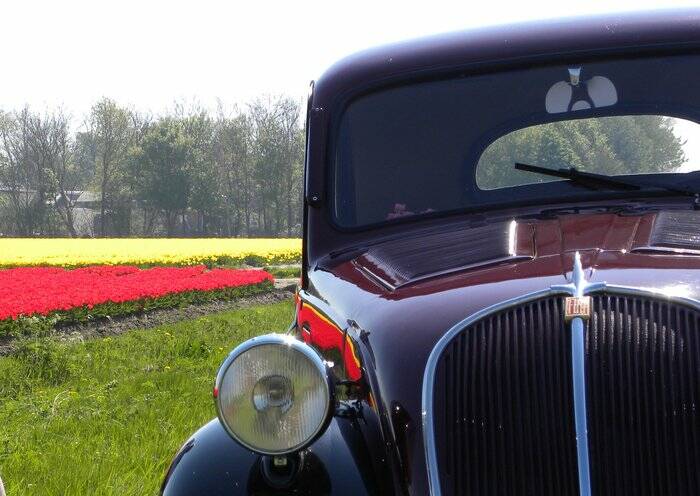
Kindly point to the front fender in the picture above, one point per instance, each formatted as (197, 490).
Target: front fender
(211, 463)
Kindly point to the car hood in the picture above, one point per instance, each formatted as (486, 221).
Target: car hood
(400, 309)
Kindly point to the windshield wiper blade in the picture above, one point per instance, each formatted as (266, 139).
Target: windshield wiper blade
(595, 181)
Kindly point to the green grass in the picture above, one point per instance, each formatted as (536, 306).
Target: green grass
(106, 416)
(284, 272)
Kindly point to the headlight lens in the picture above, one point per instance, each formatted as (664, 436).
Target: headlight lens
(274, 394)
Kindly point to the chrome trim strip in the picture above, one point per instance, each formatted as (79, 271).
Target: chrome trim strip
(488, 263)
(668, 250)
(599, 287)
(372, 276)
(578, 366)
(578, 355)
(578, 287)
(463, 268)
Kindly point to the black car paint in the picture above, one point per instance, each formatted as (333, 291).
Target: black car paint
(211, 463)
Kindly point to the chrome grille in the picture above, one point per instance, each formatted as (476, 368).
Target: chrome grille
(503, 405)
(643, 388)
(503, 409)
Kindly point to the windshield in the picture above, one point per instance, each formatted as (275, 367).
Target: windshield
(452, 144)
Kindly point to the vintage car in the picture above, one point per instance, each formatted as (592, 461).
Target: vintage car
(501, 276)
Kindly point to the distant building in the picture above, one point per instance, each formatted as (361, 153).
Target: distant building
(86, 211)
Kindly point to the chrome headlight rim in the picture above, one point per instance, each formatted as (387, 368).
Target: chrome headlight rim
(298, 346)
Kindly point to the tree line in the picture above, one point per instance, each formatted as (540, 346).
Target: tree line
(192, 172)
(118, 172)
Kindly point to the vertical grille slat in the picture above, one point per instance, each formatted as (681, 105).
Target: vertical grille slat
(642, 384)
(690, 406)
(507, 407)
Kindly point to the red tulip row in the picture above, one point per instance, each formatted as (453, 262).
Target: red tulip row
(31, 291)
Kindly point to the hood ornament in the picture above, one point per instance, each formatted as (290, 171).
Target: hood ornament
(577, 305)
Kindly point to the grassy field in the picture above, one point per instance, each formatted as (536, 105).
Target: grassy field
(105, 417)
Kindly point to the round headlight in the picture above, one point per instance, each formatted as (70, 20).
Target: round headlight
(273, 394)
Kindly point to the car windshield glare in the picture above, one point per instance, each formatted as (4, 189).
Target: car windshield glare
(452, 144)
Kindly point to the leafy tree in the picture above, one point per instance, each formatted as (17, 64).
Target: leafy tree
(204, 193)
(111, 134)
(23, 180)
(52, 147)
(277, 152)
(37, 174)
(161, 168)
(233, 157)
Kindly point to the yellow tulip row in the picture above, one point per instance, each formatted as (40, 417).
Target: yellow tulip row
(145, 252)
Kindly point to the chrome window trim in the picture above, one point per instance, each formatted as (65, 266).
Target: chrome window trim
(578, 287)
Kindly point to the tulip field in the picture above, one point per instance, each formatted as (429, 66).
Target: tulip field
(47, 282)
(65, 252)
(109, 348)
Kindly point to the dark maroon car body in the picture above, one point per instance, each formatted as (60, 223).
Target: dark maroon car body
(377, 300)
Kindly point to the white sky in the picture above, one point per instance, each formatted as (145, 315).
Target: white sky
(148, 53)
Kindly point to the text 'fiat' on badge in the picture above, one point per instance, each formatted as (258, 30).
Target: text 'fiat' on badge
(577, 306)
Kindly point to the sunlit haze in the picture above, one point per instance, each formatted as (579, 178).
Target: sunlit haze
(147, 54)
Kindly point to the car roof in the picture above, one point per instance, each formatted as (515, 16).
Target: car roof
(539, 41)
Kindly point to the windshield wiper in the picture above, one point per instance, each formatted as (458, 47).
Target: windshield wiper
(595, 181)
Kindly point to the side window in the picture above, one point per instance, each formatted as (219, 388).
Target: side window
(618, 145)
